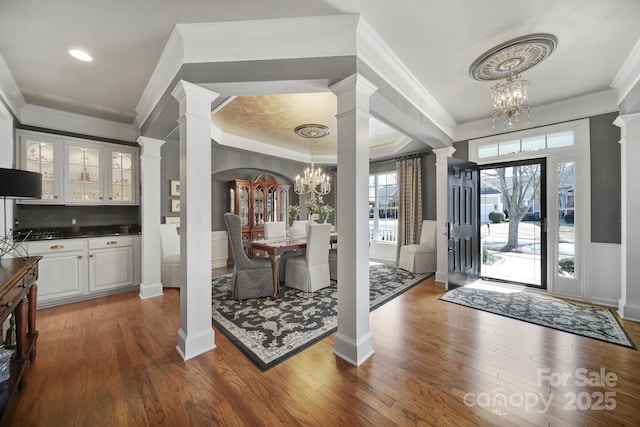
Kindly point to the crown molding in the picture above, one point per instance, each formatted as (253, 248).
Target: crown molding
(247, 144)
(166, 69)
(374, 52)
(580, 107)
(306, 37)
(629, 74)
(50, 118)
(389, 149)
(9, 89)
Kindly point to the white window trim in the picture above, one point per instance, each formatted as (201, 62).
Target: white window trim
(578, 153)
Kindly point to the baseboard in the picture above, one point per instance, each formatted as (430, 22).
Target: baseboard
(604, 301)
(629, 312)
(195, 344)
(150, 291)
(351, 351)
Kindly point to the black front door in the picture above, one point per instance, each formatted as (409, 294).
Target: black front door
(463, 230)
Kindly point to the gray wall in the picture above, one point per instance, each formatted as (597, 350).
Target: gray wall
(227, 164)
(605, 177)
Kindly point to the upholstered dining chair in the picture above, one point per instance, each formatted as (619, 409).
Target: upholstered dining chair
(275, 230)
(299, 228)
(421, 258)
(170, 256)
(251, 276)
(311, 272)
(333, 264)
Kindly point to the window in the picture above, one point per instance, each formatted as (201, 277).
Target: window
(383, 207)
(568, 198)
(536, 143)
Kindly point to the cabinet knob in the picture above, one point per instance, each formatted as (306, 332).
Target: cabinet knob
(8, 304)
(79, 256)
(55, 196)
(91, 256)
(110, 198)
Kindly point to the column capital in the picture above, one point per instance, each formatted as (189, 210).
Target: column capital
(629, 125)
(355, 81)
(183, 88)
(145, 141)
(443, 152)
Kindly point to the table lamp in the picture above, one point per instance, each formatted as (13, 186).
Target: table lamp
(16, 184)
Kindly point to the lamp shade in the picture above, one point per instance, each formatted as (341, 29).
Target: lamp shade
(20, 184)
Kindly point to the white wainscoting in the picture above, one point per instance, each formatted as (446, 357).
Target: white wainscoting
(602, 282)
(219, 249)
(382, 252)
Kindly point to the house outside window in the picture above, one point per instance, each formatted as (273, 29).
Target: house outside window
(383, 207)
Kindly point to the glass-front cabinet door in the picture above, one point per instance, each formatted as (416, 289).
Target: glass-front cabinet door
(121, 176)
(283, 203)
(272, 200)
(258, 206)
(84, 174)
(44, 157)
(243, 204)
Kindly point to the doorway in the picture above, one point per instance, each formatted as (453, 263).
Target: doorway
(513, 215)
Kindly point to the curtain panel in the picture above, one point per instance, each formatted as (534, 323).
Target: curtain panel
(409, 201)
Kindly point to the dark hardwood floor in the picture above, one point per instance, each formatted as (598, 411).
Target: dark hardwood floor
(113, 361)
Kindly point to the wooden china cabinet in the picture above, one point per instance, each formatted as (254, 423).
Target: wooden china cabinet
(256, 202)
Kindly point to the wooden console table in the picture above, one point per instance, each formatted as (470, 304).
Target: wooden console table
(18, 295)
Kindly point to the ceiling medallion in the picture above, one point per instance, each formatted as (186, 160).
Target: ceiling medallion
(312, 131)
(507, 61)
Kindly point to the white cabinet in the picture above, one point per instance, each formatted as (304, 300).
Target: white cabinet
(110, 263)
(62, 268)
(79, 171)
(45, 156)
(76, 269)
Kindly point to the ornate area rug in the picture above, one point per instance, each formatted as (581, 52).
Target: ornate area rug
(577, 318)
(270, 331)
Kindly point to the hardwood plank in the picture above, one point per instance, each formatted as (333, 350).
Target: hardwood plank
(113, 361)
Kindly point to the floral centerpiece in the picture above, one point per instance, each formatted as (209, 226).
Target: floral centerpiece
(325, 211)
(313, 206)
(294, 212)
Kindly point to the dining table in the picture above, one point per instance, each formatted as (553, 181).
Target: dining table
(274, 248)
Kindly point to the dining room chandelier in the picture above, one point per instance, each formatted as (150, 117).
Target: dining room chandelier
(314, 182)
(507, 61)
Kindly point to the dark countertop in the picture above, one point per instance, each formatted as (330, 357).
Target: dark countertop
(34, 234)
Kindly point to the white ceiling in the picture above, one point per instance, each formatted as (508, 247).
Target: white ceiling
(437, 41)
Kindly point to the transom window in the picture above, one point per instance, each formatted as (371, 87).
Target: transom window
(525, 144)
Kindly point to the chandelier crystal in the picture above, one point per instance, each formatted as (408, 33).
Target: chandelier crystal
(314, 182)
(510, 100)
(507, 61)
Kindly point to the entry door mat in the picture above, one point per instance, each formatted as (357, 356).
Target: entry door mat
(577, 318)
(270, 331)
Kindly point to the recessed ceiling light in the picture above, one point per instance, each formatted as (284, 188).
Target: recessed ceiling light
(81, 55)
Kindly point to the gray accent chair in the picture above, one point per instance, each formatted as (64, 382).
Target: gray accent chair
(311, 272)
(252, 277)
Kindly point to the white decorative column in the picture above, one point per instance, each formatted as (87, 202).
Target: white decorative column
(150, 208)
(353, 341)
(442, 217)
(196, 334)
(629, 303)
